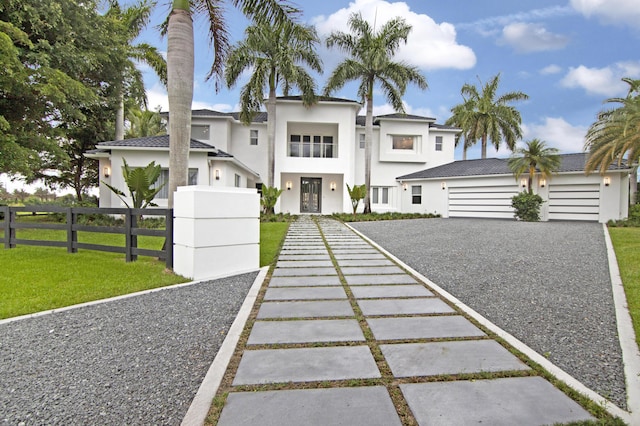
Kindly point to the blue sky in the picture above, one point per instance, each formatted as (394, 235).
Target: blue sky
(568, 56)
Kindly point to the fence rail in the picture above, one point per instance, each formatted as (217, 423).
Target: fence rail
(131, 230)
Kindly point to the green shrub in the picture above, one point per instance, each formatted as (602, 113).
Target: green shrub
(527, 206)
(270, 195)
(633, 220)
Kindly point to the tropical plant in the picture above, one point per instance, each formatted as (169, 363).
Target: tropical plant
(140, 181)
(274, 53)
(143, 122)
(482, 116)
(132, 21)
(180, 57)
(526, 206)
(371, 61)
(270, 195)
(616, 134)
(535, 157)
(357, 193)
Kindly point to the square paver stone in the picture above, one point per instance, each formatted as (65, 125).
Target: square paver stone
(435, 358)
(305, 293)
(404, 306)
(519, 401)
(301, 272)
(371, 270)
(423, 327)
(354, 256)
(304, 257)
(273, 332)
(370, 406)
(320, 280)
(379, 279)
(377, 291)
(315, 309)
(302, 263)
(306, 365)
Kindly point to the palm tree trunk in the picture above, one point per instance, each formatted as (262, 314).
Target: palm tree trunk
(464, 153)
(368, 136)
(120, 116)
(180, 89)
(271, 135)
(484, 146)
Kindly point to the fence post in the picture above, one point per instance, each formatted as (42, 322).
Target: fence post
(127, 237)
(5, 225)
(12, 230)
(169, 238)
(72, 236)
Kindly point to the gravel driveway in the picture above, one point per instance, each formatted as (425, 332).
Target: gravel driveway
(138, 360)
(545, 283)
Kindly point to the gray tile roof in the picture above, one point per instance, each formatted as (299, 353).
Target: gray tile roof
(152, 142)
(497, 166)
(405, 117)
(320, 98)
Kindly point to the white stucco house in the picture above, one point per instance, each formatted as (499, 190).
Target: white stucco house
(320, 149)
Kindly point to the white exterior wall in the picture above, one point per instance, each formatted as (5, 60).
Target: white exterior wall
(253, 156)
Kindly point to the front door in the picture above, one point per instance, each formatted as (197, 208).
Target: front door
(310, 195)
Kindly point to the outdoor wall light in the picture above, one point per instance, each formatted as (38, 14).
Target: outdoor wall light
(332, 185)
(443, 185)
(543, 183)
(217, 174)
(523, 182)
(607, 181)
(404, 186)
(106, 171)
(289, 185)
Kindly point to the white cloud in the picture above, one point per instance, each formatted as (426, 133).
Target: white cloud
(602, 81)
(429, 46)
(626, 12)
(557, 133)
(529, 37)
(157, 97)
(489, 26)
(551, 69)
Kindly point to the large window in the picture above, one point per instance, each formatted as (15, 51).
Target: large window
(164, 177)
(200, 132)
(403, 142)
(253, 137)
(416, 194)
(438, 143)
(312, 146)
(380, 195)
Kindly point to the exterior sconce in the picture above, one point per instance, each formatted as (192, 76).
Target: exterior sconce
(106, 171)
(607, 181)
(289, 185)
(443, 185)
(543, 183)
(523, 182)
(332, 185)
(217, 174)
(404, 186)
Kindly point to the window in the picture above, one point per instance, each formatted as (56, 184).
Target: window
(199, 132)
(164, 177)
(362, 142)
(380, 195)
(259, 188)
(237, 180)
(416, 195)
(253, 137)
(311, 146)
(438, 143)
(402, 142)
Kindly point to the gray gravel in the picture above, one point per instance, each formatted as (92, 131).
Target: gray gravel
(545, 283)
(134, 361)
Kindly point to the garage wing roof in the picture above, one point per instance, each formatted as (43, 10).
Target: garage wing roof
(498, 166)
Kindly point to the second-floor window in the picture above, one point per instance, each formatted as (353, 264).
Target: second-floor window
(438, 143)
(253, 137)
(200, 132)
(405, 142)
(312, 146)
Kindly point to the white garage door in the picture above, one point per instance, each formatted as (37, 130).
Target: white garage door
(489, 202)
(574, 202)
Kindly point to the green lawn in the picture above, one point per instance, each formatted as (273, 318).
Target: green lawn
(626, 242)
(41, 278)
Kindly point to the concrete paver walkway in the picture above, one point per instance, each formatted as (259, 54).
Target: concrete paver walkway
(346, 336)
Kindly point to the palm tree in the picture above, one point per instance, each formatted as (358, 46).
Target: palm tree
(534, 158)
(482, 116)
(133, 20)
(370, 61)
(144, 122)
(274, 54)
(180, 54)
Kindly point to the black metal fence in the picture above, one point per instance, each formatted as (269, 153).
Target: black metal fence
(131, 230)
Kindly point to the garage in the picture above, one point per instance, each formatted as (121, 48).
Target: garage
(574, 202)
(490, 202)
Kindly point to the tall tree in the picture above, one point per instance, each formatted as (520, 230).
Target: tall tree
(143, 122)
(371, 62)
(616, 135)
(132, 21)
(180, 54)
(485, 115)
(534, 158)
(276, 55)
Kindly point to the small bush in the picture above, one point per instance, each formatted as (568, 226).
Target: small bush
(527, 206)
(632, 221)
(272, 217)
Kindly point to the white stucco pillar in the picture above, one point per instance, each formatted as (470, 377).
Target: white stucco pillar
(216, 231)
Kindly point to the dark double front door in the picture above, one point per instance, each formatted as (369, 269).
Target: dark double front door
(310, 195)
